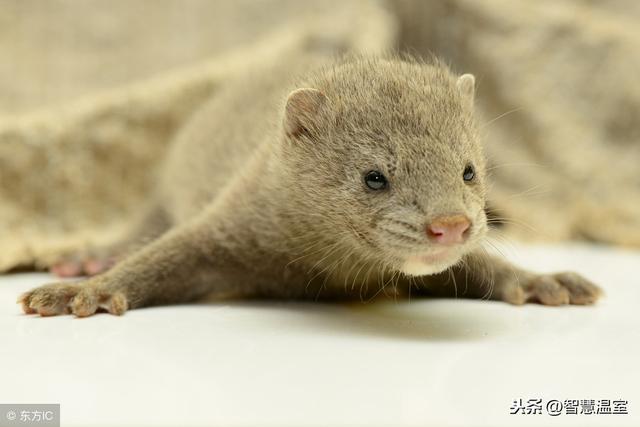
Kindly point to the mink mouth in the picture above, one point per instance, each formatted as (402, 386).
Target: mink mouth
(431, 262)
(436, 257)
(433, 257)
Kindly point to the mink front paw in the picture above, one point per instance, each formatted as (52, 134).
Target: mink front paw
(552, 289)
(82, 299)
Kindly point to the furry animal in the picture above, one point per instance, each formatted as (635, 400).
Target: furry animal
(366, 176)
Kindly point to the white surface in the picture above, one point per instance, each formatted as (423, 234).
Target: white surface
(440, 362)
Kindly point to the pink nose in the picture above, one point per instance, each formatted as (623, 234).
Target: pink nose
(448, 230)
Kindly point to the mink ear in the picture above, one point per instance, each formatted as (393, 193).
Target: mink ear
(466, 85)
(300, 114)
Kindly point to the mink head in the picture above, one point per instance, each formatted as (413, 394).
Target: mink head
(384, 156)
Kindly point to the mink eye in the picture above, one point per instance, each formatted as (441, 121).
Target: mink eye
(375, 180)
(469, 173)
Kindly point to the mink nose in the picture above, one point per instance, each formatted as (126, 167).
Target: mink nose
(448, 229)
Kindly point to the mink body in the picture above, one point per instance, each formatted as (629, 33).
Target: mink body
(352, 180)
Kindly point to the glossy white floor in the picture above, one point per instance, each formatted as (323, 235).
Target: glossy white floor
(441, 362)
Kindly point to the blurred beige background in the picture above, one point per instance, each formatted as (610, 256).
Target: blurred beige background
(92, 92)
(56, 50)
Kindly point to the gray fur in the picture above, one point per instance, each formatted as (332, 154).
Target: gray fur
(265, 196)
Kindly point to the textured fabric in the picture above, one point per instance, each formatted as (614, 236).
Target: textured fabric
(92, 92)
